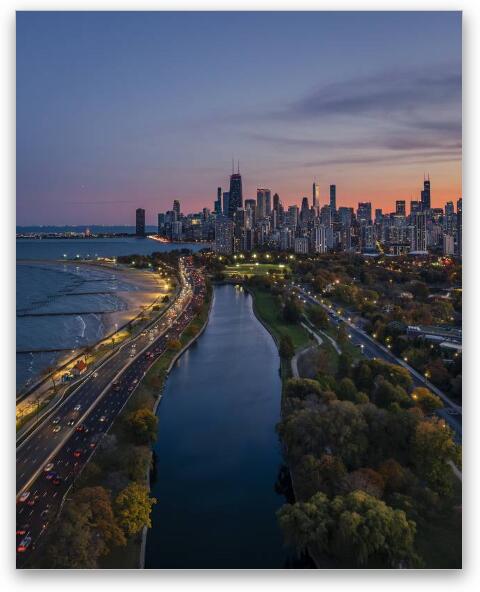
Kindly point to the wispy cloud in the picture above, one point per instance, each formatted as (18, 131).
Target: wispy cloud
(391, 93)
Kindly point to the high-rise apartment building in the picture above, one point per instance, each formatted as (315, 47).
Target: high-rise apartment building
(140, 222)
(420, 232)
(224, 228)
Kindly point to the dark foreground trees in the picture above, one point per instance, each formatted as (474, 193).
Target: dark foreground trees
(355, 529)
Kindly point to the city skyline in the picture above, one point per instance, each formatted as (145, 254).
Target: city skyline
(106, 123)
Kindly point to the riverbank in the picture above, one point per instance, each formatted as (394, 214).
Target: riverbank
(148, 395)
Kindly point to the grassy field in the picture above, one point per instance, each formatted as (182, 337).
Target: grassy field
(268, 309)
(249, 269)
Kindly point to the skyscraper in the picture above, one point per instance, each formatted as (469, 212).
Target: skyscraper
(400, 207)
(176, 207)
(304, 211)
(420, 232)
(316, 196)
(226, 202)
(364, 212)
(425, 195)
(140, 222)
(333, 198)
(224, 235)
(218, 202)
(263, 203)
(236, 198)
(459, 227)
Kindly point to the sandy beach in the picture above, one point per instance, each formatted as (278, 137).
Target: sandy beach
(127, 293)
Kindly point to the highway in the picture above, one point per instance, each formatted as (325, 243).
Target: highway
(451, 413)
(86, 415)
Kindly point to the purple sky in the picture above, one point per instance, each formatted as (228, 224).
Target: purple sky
(121, 110)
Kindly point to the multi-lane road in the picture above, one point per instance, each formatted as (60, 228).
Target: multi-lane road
(451, 413)
(65, 442)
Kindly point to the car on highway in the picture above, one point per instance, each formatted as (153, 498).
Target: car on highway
(56, 420)
(24, 544)
(94, 441)
(71, 421)
(95, 374)
(132, 354)
(50, 475)
(82, 428)
(57, 480)
(32, 500)
(23, 529)
(48, 467)
(77, 407)
(103, 418)
(116, 386)
(56, 428)
(24, 496)
(77, 453)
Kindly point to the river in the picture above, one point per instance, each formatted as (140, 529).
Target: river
(217, 455)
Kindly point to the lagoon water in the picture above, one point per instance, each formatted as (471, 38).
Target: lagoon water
(217, 455)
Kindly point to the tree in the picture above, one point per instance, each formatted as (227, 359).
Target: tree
(366, 528)
(102, 517)
(300, 388)
(367, 480)
(356, 529)
(319, 317)
(142, 426)
(286, 349)
(88, 530)
(395, 476)
(346, 390)
(386, 393)
(426, 400)
(325, 474)
(132, 508)
(344, 368)
(433, 447)
(364, 377)
(174, 344)
(292, 310)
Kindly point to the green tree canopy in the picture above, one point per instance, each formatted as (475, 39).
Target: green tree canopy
(132, 508)
(142, 426)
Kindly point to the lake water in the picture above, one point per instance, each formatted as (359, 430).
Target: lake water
(81, 293)
(217, 455)
(92, 247)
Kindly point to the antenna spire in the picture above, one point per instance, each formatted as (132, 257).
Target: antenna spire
(238, 167)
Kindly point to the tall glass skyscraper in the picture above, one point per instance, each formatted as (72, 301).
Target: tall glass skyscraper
(333, 198)
(236, 198)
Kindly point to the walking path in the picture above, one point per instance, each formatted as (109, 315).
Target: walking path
(295, 358)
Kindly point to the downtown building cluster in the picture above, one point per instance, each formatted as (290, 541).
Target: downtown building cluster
(317, 226)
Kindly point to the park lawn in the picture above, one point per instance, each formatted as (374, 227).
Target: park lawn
(267, 308)
(249, 269)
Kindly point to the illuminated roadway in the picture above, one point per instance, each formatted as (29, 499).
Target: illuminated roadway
(101, 399)
(451, 413)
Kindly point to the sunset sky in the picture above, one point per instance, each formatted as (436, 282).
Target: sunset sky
(123, 110)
